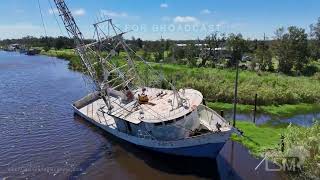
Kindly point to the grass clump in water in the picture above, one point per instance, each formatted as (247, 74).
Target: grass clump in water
(259, 139)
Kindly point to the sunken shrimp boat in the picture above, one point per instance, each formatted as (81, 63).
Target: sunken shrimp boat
(134, 102)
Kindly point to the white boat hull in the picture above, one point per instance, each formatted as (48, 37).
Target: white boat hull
(203, 146)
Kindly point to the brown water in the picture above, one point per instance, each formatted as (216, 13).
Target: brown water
(41, 138)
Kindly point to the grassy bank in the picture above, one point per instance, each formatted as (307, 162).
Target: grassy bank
(217, 85)
(285, 110)
(66, 54)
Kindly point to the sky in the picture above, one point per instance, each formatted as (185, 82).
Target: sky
(153, 19)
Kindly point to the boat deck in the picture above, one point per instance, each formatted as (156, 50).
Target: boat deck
(162, 106)
(92, 111)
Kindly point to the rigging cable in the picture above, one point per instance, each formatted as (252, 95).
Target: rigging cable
(55, 17)
(43, 24)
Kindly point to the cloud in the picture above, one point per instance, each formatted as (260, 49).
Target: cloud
(114, 14)
(166, 19)
(185, 19)
(164, 5)
(19, 30)
(205, 11)
(79, 12)
(75, 12)
(221, 23)
(53, 11)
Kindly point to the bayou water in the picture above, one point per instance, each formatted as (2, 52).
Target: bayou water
(41, 138)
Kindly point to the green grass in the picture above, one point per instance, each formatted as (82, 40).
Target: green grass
(298, 141)
(259, 139)
(285, 110)
(217, 85)
(303, 143)
(218, 106)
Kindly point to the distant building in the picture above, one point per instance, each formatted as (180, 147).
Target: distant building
(14, 47)
(201, 45)
(181, 45)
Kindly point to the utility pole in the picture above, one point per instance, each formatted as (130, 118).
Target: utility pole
(263, 47)
(255, 108)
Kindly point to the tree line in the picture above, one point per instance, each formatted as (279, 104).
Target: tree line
(291, 51)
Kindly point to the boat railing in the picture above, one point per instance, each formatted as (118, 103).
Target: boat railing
(141, 133)
(211, 116)
(166, 117)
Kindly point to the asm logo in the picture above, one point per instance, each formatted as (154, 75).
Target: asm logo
(287, 164)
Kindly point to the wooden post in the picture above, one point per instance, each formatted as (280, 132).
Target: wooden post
(235, 94)
(222, 113)
(282, 143)
(87, 110)
(255, 108)
(92, 110)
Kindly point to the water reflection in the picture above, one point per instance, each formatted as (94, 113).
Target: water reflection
(305, 120)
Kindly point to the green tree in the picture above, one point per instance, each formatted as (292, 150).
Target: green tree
(158, 56)
(208, 52)
(179, 53)
(192, 54)
(291, 49)
(315, 41)
(263, 57)
(238, 46)
(281, 50)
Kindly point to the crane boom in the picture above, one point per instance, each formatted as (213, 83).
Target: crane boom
(74, 31)
(68, 20)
